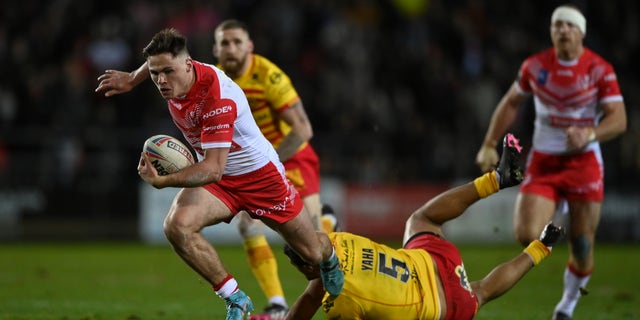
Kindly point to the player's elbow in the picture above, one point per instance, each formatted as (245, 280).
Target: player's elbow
(206, 175)
(215, 176)
(614, 131)
(618, 117)
(622, 128)
(305, 132)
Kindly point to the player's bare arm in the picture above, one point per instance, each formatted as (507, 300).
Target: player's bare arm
(504, 116)
(308, 302)
(501, 278)
(114, 82)
(504, 276)
(613, 124)
(502, 119)
(207, 171)
(301, 131)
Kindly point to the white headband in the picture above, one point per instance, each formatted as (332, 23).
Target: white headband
(571, 15)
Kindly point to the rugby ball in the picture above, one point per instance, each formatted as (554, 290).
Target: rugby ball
(167, 154)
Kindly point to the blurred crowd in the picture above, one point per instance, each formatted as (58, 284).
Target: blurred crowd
(397, 90)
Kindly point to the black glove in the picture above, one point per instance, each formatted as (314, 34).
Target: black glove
(551, 234)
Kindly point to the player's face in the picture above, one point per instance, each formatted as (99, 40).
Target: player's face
(566, 37)
(233, 48)
(172, 75)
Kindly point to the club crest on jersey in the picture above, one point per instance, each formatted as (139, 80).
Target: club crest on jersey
(464, 280)
(585, 82)
(543, 75)
(275, 77)
(193, 117)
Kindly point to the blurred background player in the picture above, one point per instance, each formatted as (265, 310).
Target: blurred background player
(280, 115)
(425, 279)
(238, 170)
(578, 104)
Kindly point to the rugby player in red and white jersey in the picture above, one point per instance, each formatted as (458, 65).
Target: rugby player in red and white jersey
(279, 113)
(237, 169)
(578, 104)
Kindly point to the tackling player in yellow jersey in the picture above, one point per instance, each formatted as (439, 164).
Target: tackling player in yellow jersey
(425, 279)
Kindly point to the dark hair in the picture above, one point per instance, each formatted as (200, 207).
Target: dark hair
(167, 40)
(294, 257)
(232, 24)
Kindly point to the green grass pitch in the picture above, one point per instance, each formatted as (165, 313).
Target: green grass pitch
(124, 281)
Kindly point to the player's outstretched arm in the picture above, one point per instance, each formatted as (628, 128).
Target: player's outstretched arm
(506, 275)
(114, 82)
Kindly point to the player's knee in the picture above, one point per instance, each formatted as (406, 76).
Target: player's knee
(581, 247)
(523, 240)
(176, 226)
(318, 253)
(250, 228)
(312, 256)
(525, 235)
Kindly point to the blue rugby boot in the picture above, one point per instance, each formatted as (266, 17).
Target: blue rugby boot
(239, 305)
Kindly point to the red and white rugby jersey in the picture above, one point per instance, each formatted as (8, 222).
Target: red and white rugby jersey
(566, 93)
(215, 114)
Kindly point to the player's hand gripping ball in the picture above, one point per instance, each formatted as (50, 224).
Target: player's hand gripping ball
(167, 154)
